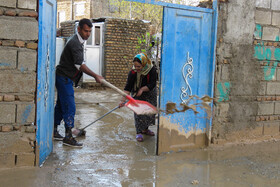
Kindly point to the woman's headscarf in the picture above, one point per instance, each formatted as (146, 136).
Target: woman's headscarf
(147, 66)
(145, 62)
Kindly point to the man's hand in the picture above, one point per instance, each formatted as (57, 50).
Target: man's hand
(98, 78)
(88, 71)
(123, 99)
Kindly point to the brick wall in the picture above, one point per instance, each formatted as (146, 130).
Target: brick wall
(120, 47)
(18, 58)
(67, 28)
(247, 82)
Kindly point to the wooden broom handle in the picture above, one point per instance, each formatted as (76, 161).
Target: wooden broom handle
(104, 82)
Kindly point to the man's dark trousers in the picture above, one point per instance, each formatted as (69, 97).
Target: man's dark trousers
(65, 107)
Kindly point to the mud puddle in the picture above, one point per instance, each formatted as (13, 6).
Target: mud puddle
(112, 157)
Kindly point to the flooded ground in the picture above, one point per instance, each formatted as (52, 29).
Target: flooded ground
(112, 157)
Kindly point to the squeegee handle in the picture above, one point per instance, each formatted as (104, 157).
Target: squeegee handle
(101, 117)
(103, 81)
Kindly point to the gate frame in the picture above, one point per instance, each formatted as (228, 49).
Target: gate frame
(213, 11)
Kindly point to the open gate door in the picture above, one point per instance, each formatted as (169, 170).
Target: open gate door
(45, 79)
(187, 68)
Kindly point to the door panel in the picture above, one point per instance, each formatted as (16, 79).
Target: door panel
(94, 51)
(93, 62)
(186, 70)
(46, 78)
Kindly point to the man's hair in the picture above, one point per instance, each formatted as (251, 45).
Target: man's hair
(84, 21)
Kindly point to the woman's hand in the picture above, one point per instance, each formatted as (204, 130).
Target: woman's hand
(139, 93)
(141, 90)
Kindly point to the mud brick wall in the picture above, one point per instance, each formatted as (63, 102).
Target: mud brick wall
(120, 47)
(18, 58)
(247, 81)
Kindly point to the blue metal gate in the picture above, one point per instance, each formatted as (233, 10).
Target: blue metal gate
(46, 78)
(187, 69)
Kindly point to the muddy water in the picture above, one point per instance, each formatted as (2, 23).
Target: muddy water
(112, 157)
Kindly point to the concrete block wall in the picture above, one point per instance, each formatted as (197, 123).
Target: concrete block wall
(247, 84)
(18, 59)
(267, 52)
(120, 47)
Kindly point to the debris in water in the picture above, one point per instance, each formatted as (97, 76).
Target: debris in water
(202, 103)
(120, 171)
(195, 182)
(171, 108)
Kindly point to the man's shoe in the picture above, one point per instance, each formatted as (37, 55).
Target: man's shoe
(57, 136)
(70, 141)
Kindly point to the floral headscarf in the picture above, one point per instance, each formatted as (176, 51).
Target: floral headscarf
(147, 66)
(146, 63)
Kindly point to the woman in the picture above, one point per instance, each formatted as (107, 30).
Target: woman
(141, 84)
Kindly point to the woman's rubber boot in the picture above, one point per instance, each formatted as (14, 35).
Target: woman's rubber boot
(69, 140)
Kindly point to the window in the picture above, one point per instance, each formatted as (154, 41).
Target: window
(94, 38)
(89, 40)
(61, 17)
(97, 35)
(80, 9)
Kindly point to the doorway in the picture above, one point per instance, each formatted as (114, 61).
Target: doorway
(187, 68)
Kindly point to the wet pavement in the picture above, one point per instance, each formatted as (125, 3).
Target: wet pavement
(112, 157)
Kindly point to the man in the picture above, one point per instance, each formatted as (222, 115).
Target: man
(68, 71)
